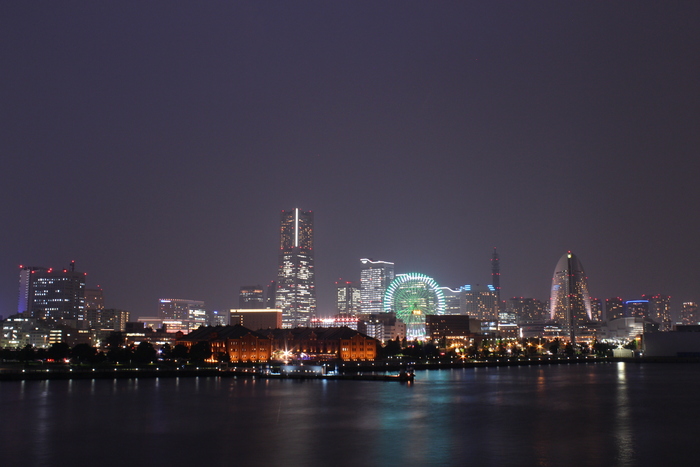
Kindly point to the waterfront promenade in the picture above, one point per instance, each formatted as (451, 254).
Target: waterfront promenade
(335, 370)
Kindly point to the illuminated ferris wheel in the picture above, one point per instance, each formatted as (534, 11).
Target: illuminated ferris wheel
(412, 297)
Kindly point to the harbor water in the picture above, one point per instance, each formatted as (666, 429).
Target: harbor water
(620, 414)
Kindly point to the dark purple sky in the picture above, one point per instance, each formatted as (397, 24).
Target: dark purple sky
(156, 142)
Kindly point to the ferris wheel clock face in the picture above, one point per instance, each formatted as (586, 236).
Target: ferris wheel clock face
(412, 296)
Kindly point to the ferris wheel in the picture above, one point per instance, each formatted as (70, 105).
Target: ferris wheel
(412, 297)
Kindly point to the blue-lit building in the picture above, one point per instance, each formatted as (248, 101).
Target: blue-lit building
(636, 309)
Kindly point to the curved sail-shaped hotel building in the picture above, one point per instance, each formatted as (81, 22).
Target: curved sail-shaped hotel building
(570, 302)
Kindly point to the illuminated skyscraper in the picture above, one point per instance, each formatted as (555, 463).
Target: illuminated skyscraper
(480, 302)
(296, 286)
(596, 309)
(614, 308)
(453, 300)
(570, 302)
(527, 310)
(375, 277)
(689, 313)
(24, 305)
(57, 295)
(637, 309)
(660, 310)
(347, 298)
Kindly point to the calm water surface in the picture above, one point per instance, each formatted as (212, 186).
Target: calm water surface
(580, 414)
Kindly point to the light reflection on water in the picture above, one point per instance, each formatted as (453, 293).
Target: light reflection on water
(596, 414)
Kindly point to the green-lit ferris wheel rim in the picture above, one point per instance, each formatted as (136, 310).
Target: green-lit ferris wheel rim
(414, 291)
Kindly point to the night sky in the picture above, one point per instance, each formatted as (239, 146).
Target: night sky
(155, 143)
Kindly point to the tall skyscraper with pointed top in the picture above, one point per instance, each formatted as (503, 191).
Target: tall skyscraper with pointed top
(570, 302)
(296, 287)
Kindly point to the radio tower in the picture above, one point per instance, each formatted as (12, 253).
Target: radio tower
(496, 275)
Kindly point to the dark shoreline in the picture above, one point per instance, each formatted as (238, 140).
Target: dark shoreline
(375, 371)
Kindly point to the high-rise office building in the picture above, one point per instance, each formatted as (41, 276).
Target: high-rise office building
(94, 304)
(375, 277)
(57, 295)
(114, 319)
(179, 309)
(637, 309)
(570, 302)
(453, 301)
(94, 299)
(251, 297)
(660, 310)
(296, 286)
(480, 302)
(527, 310)
(689, 313)
(347, 298)
(614, 308)
(24, 304)
(596, 309)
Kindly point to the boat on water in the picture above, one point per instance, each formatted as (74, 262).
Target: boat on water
(407, 375)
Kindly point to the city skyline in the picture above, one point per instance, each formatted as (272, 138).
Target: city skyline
(153, 145)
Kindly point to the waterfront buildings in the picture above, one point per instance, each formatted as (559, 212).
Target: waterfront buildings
(684, 342)
(452, 327)
(626, 329)
(382, 326)
(238, 343)
(323, 344)
(570, 302)
(375, 277)
(241, 344)
(296, 286)
(20, 330)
